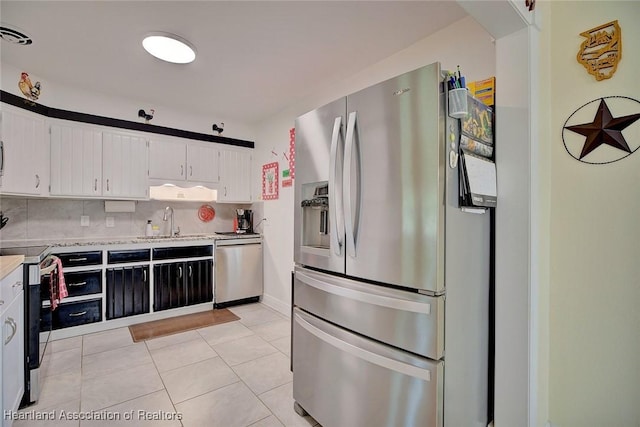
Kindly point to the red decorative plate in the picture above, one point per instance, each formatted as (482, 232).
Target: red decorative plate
(206, 213)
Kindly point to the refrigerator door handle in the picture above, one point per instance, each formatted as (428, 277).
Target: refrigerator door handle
(364, 354)
(351, 225)
(335, 183)
(365, 297)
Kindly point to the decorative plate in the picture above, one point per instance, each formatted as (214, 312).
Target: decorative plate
(206, 213)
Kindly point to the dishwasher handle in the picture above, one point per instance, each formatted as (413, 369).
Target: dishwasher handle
(238, 242)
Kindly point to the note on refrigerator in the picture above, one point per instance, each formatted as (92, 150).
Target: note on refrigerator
(481, 176)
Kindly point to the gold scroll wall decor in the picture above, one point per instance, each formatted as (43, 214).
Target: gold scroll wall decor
(601, 52)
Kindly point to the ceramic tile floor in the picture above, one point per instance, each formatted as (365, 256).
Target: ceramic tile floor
(230, 375)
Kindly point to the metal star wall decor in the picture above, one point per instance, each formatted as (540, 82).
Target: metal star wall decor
(605, 130)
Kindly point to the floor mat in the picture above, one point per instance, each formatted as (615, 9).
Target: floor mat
(174, 325)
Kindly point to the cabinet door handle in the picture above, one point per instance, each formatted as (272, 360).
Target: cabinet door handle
(181, 170)
(1, 158)
(78, 259)
(14, 329)
(190, 271)
(17, 285)
(144, 275)
(1, 302)
(37, 180)
(225, 190)
(107, 184)
(95, 185)
(77, 284)
(190, 170)
(82, 313)
(179, 272)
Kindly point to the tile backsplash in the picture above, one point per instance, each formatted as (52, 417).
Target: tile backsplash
(58, 219)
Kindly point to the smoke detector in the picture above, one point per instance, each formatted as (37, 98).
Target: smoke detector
(14, 35)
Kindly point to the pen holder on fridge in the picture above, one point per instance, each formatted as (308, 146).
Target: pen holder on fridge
(458, 103)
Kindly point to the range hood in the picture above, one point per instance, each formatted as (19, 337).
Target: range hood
(174, 193)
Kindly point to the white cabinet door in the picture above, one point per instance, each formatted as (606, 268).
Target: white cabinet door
(235, 176)
(167, 159)
(125, 166)
(12, 324)
(76, 161)
(23, 154)
(202, 162)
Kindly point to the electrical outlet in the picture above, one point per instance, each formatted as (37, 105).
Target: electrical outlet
(84, 221)
(110, 222)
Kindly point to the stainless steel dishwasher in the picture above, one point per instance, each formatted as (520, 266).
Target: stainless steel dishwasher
(238, 271)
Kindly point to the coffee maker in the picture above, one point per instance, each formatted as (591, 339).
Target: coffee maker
(245, 221)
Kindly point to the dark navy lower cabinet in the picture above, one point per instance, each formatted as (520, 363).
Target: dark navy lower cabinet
(77, 313)
(178, 284)
(199, 281)
(127, 291)
(78, 283)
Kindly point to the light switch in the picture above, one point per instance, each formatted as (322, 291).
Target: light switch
(110, 222)
(84, 220)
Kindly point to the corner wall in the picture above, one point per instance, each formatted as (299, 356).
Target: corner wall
(594, 321)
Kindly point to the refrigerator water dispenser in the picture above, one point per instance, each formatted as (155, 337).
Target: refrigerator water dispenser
(315, 217)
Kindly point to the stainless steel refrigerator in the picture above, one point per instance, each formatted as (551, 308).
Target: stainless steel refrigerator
(391, 284)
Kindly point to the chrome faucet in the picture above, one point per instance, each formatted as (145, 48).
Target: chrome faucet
(173, 232)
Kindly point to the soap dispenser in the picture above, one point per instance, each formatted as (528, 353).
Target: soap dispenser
(149, 229)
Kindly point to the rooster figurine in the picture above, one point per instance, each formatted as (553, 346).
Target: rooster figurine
(145, 116)
(29, 90)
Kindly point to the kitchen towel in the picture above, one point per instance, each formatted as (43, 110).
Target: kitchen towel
(57, 284)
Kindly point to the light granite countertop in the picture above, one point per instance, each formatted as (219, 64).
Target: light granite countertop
(123, 240)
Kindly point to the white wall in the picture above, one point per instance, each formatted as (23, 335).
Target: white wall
(101, 104)
(595, 238)
(512, 231)
(463, 43)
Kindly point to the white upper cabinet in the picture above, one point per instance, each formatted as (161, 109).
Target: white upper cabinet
(167, 158)
(23, 154)
(176, 160)
(86, 162)
(76, 161)
(125, 166)
(202, 162)
(235, 176)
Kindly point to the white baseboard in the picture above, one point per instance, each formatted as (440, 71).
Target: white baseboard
(106, 325)
(277, 305)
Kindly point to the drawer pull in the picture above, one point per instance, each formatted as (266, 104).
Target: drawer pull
(82, 313)
(78, 259)
(1, 302)
(14, 329)
(17, 285)
(77, 284)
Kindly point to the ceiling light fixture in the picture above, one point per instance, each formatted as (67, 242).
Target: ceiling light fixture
(169, 47)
